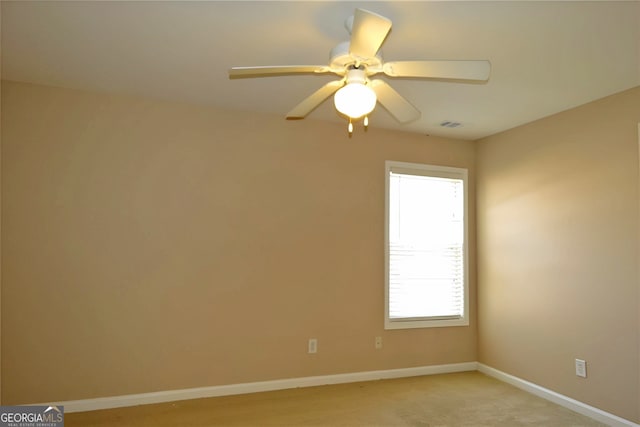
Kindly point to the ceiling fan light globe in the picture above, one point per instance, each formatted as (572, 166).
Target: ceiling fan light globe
(355, 100)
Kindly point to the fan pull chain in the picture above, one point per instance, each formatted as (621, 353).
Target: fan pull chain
(350, 128)
(366, 123)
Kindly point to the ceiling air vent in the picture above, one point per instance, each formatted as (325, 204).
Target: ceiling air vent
(449, 124)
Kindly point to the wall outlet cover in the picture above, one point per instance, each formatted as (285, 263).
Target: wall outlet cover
(581, 368)
(313, 346)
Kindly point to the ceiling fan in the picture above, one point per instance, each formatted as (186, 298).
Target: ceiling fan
(358, 59)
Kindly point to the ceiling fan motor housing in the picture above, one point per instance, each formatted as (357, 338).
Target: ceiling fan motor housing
(341, 59)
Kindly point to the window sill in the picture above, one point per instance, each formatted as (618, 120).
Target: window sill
(433, 323)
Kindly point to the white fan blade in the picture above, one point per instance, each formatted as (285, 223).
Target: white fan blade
(316, 98)
(367, 34)
(279, 70)
(394, 103)
(446, 70)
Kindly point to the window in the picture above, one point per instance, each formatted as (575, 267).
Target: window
(426, 246)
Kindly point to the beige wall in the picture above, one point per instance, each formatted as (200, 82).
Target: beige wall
(153, 246)
(0, 231)
(558, 252)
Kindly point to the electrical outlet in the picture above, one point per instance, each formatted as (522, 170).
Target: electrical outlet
(313, 345)
(581, 368)
(378, 343)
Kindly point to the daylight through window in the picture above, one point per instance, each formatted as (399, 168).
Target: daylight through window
(426, 246)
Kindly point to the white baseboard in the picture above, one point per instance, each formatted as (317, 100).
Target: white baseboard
(254, 387)
(231, 389)
(557, 398)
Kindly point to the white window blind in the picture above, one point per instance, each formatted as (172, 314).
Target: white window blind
(426, 260)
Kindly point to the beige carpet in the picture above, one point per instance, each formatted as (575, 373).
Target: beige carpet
(461, 399)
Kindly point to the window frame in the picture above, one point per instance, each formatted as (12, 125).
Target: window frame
(432, 171)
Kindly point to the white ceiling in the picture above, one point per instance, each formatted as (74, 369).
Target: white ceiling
(546, 56)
